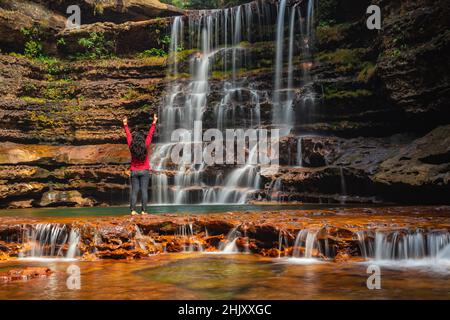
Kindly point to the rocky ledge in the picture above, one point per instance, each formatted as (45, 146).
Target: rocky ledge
(335, 234)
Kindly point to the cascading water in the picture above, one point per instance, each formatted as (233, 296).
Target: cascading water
(343, 185)
(229, 246)
(191, 243)
(404, 245)
(215, 91)
(50, 240)
(299, 157)
(306, 239)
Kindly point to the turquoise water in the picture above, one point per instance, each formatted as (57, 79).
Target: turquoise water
(159, 209)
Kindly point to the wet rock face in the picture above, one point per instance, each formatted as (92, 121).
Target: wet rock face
(128, 37)
(49, 17)
(378, 93)
(116, 11)
(412, 60)
(397, 169)
(16, 15)
(422, 165)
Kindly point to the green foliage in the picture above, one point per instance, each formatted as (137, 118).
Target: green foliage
(33, 45)
(33, 49)
(153, 52)
(166, 40)
(61, 42)
(96, 47)
(54, 66)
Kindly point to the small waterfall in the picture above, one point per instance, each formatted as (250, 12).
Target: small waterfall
(299, 151)
(276, 190)
(142, 240)
(284, 92)
(191, 243)
(229, 246)
(279, 115)
(306, 239)
(282, 239)
(343, 185)
(49, 240)
(404, 245)
(74, 239)
(365, 245)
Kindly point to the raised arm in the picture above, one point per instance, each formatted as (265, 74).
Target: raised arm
(151, 131)
(127, 131)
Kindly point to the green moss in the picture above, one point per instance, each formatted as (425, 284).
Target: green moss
(131, 94)
(333, 93)
(367, 72)
(33, 99)
(44, 120)
(326, 33)
(60, 90)
(185, 54)
(345, 59)
(179, 76)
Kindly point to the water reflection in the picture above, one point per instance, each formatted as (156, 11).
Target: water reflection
(200, 276)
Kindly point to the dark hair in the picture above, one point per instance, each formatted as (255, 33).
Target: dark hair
(138, 149)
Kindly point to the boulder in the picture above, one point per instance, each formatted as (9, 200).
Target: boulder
(420, 170)
(116, 11)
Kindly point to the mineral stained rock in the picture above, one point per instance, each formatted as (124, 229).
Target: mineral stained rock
(338, 233)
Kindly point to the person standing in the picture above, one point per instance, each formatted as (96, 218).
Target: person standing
(138, 144)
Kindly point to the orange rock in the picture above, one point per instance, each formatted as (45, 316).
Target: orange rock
(25, 273)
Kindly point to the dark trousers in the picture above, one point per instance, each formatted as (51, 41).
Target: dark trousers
(139, 181)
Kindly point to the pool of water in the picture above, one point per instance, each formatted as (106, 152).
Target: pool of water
(200, 276)
(157, 209)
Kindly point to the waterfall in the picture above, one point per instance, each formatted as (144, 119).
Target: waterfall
(276, 189)
(291, 51)
(229, 246)
(343, 185)
(299, 151)
(306, 239)
(191, 243)
(278, 110)
(217, 42)
(283, 113)
(49, 240)
(404, 245)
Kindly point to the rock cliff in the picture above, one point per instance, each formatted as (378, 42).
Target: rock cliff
(379, 131)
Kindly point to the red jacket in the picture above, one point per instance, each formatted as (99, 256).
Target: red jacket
(137, 164)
